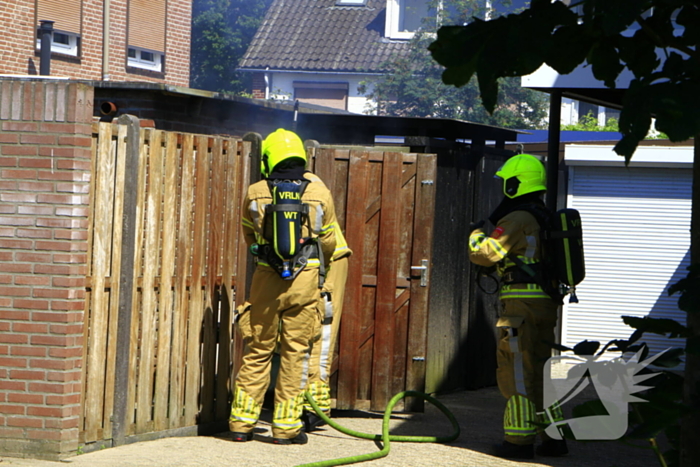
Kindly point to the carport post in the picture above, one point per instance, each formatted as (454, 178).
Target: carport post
(553, 148)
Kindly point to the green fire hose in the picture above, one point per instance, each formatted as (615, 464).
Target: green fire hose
(385, 437)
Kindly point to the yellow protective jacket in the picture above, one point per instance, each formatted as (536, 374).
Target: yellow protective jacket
(517, 234)
(321, 222)
(342, 250)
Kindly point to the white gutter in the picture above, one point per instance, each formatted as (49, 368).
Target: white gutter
(105, 42)
(267, 83)
(267, 70)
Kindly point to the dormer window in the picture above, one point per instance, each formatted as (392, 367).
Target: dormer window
(404, 17)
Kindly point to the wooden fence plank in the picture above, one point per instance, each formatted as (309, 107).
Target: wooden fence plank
(165, 302)
(426, 173)
(324, 167)
(225, 289)
(117, 248)
(150, 270)
(348, 364)
(102, 243)
(211, 310)
(193, 385)
(244, 258)
(88, 279)
(129, 144)
(184, 253)
(144, 145)
(389, 246)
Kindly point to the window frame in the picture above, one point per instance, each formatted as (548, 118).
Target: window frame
(156, 65)
(394, 8)
(72, 49)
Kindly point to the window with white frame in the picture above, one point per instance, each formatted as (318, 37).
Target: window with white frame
(65, 43)
(404, 17)
(66, 19)
(146, 34)
(146, 59)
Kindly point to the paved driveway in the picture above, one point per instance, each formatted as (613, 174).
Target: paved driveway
(478, 412)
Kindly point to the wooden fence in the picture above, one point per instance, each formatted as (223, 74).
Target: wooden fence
(166, 259)
(385, 202)
(168, 264)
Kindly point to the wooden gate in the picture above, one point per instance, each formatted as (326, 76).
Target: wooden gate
(385, 202)
(165, 264)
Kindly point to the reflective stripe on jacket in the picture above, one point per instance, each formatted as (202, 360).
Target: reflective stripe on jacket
(517, 234)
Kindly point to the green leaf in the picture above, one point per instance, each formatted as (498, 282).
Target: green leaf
(670, 358)
(488, 88)
(615, 17)
(586, 347)
(651, 427)
(689, 18)
(638, 53)
(569, 47)
(663, 326)
(605, 62)
(559, 347)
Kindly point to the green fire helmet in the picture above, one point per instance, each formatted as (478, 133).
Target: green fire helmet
(522, 174)
(279, 146)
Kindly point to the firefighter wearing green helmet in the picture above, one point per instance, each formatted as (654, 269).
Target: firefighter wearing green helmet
(528, 312)
(289, 224)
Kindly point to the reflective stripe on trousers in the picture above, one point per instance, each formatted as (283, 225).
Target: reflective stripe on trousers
(320, 390)
(519, 416)
(518, 371)
(244, 408)
(326, 335)
(287, 414)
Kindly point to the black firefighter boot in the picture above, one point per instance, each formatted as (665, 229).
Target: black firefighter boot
(312, 422)
(301, 438)
(508, 450)
(552, 448)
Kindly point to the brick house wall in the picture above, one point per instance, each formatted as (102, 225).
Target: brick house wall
(18, 53)
(45, 162)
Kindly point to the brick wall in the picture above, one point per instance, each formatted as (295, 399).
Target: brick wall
(18, 54)
(45, 159)
(259, 85)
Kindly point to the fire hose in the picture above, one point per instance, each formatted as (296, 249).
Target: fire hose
(385, 437)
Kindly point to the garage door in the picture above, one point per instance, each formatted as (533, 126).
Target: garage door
(636, 227)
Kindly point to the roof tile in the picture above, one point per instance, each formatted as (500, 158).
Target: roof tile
(317, 35)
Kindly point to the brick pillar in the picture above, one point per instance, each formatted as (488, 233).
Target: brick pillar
(45, 160)
(259, 85)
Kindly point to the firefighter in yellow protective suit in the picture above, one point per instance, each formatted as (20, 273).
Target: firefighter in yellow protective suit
(289, 224)
(321, 357)
(529, 314)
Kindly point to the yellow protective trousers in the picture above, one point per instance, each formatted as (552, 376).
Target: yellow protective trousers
(526, 329)
(284, 311)
(331, 309)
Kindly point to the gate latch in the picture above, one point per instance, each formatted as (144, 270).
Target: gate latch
(423, 268)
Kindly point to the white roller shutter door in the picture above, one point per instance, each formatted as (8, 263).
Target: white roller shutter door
(636, 238)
